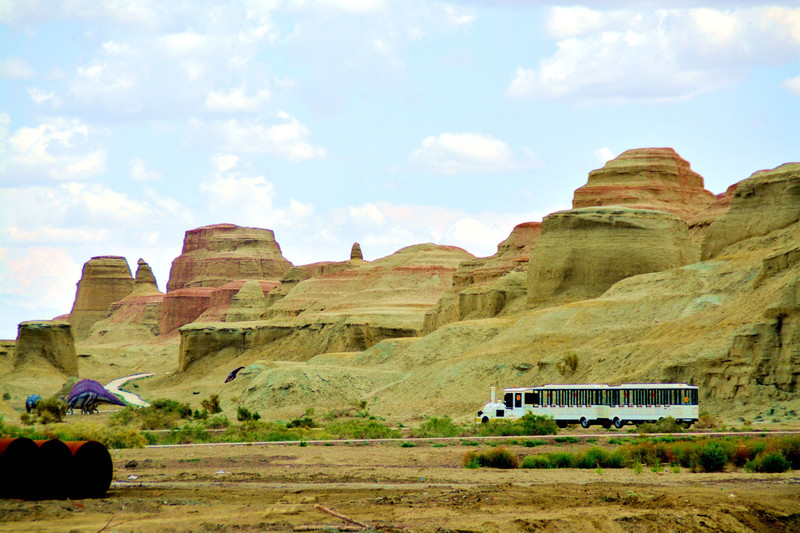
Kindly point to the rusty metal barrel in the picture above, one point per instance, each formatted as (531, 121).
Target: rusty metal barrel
(93, 469)
(53, 469)
(17, 460)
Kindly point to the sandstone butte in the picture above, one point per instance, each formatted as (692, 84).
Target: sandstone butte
(616, 282)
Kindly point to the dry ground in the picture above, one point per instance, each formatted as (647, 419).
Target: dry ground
(392, 488)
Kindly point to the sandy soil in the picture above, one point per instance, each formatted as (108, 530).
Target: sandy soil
(387, 487)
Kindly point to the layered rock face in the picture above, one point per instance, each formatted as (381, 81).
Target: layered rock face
(212, 257)
(135, 316)
(46, 341)
(766, 201)
(339, 307)
(104, 280)
(649, 178)
(583, 252)
(248, 303)
(483, 287)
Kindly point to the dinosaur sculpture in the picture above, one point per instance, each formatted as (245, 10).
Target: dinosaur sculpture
(232, 375)
(87, 393)
(31, 401)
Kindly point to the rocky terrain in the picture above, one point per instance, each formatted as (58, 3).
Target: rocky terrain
(648, 278)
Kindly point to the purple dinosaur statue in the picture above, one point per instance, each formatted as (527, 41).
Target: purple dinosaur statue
(87, 393)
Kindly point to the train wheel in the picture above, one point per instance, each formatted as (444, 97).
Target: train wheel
(561, 423)
(485, 420)
(618, 423)
(606, 424)
(585, 423)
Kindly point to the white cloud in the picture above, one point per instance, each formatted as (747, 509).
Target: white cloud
(792, 85)
(138, 171)
(40, 278)
(15, 68)
(235, 100)
(224, 162)
(656, 55)
(61, 149)
(283, 136)
(604, 155)
(453, 153)
(39, 96)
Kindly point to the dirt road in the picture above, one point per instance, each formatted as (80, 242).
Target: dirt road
(392, 488)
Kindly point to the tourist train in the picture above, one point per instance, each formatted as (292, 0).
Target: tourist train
(588, 404)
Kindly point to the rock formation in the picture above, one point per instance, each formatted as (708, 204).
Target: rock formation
(355, 252)
(135, 316)
(46, 341)
(248, 303)
(766, 201)
(104, 280)
(483, 287)
(648, 178)
(212, 257)
(583, 252)
(341, 311)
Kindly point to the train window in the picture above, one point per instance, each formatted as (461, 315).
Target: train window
(509, 400)
(532, 398)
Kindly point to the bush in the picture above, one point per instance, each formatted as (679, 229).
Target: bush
(361, 429)
(161, 414)
(52, 410)
(438, 427)
(211, 404)
(536, 461)
(171, 406)
(772, 463)
(712, 457)
(538, 425)
(499, 457)
(304, 422)
(562, 459)
(534, 443)
(243, 414)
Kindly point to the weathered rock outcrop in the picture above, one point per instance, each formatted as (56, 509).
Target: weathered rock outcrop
(340, 310)
(583, 252)
(214, 255)
(483, 287)
(766, 201)
(648, 178)
(46, 341)
(248, 303)
(355, 252)
(136, 316)
(104, 280)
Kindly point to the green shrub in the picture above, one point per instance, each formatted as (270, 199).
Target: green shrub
(665, 425)
(590, 458)
(538, 425)
(304, 422)
(161, 414)
(52, 410)
(501, 428)
(569, 440)
(361, 429)
(534, 443)
(111, 436)
(244, 414)
(499, 457)
(790, 446)
(407, 444)
(712, 457)
(773, 463)
(211, 404)
(471, 460)
(171, 406)
(438, 427)
(536, 461)
(562, 459)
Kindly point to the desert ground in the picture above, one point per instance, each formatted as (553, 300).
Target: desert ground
(393, 487)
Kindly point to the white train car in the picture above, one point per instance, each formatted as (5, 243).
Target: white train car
(588, 404)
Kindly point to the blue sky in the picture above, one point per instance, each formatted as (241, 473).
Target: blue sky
(125, 123)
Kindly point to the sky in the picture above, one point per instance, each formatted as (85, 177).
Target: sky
(125, 123)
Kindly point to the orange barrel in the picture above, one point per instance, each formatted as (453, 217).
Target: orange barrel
(54, 470)
(18, 457)
(92, 469)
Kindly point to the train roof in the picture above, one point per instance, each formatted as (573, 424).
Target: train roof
(601, 386)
